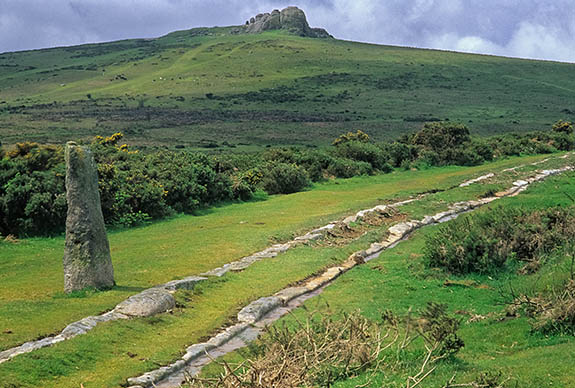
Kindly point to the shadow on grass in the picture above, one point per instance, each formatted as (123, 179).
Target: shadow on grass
(90, 291)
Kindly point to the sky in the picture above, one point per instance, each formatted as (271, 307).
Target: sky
(539, 29)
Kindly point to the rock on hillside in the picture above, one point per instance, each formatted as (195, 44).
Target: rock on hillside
(291, 19)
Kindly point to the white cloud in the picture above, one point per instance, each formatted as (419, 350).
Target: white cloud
(524, 28)
(468, 44)
(533, 41)
(542, 42)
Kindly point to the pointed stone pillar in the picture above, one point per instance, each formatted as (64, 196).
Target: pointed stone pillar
(87, 260)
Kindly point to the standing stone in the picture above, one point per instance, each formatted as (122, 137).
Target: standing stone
(87, 260)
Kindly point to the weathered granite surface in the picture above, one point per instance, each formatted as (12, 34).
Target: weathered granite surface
(291, 19)
(87, 260)
(147, 303)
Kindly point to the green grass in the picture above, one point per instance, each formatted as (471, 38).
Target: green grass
(33, 305)
(270, 88)
(101, 358)
(399, 281)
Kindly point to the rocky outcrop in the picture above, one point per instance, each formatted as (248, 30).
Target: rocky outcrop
(291, 19)
(87, 260)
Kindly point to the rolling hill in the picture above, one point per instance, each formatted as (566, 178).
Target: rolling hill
(220, 87)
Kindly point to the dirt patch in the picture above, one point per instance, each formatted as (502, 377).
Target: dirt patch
(342, 234)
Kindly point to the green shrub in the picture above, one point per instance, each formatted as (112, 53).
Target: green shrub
(485, 242)
(346, 168)
(467, 157)
(241, 190)
(514, 144)
(400, 153)
(132, 219)
(31, 202)
(483, 150)
(365, 152)
(136, 186)
(563, 141)
(315, 163)
(427, 158)
(441, 136)
(284, 178)
(281, 155)
(441, 328)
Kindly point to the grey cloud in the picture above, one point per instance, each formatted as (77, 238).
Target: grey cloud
(542, 29)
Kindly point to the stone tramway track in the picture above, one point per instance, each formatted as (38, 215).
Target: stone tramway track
(253, 317)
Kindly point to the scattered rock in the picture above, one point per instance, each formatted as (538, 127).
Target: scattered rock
(196, 350)
(287, 294)
(323, 279)
(401, 229)
(183, 284)
(218, 272)
(309, 237)
(147, 303)
(479, 179)
(255, 310)
(227, 335)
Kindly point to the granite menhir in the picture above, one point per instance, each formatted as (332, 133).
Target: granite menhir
(87, 260)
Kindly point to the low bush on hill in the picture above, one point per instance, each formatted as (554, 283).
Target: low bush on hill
(551, 312)
(284, 178)
(487, 242)
(445, 143)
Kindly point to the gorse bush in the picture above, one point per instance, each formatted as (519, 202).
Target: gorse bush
(441, 136)
(32, 187)
(486, 242)
(137, 186)
(444, 143)
(284, 178)
(562, 126)
(357, 136)
(134, 186)
(365, 152)
(346, 168)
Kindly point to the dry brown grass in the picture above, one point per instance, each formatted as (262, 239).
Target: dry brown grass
(316, 352)
(326, 348)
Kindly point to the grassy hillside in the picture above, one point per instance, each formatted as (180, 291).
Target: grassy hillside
(208, 88)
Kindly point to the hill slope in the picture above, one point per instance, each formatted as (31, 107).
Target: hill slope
(205, 87)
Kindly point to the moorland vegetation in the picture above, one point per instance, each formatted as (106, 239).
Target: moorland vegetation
(140, 185)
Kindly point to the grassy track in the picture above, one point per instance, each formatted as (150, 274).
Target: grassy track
(31, 300)
(398, 281)
(102, 358)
